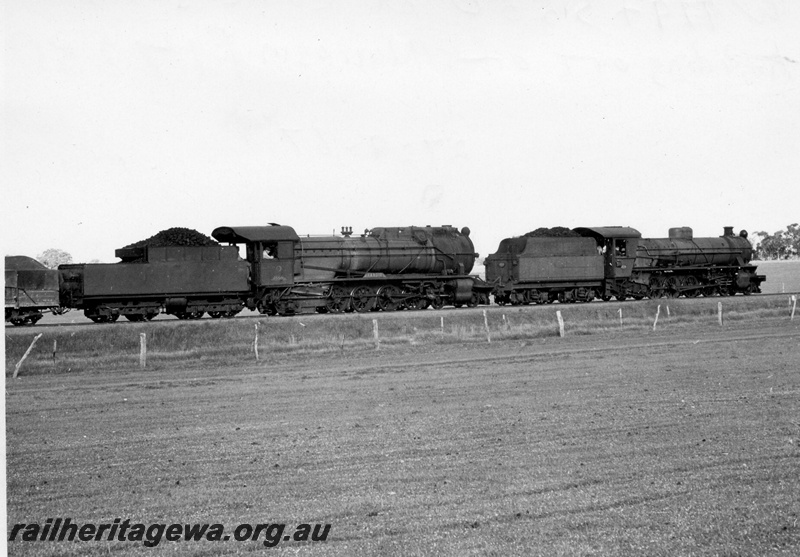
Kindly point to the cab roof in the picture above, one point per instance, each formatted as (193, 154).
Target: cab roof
(244, 234)
(609, 232)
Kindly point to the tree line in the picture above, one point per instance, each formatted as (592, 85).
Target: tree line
(783, 244)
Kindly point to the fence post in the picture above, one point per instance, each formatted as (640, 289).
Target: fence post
(486, 325)
(142, 350)
(620, 317)
(719, 313)
(28, 351)
(560, 324)
(794, 306)
(255, 343)
(658, 311)
(442, 318)
(375, 334)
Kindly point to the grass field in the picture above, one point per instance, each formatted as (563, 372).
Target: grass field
(615, 440)
(208, 342)
(782, 276)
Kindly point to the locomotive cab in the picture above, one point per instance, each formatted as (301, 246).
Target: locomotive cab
(618, 246)
(270, 252)
(618, 259)
(272, 263)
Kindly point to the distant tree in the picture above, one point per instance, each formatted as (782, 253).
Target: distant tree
(53, 257)
(793, 235)
(782, 244)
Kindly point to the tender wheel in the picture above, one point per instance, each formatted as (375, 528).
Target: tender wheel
(388, 298)
(215, 314)
(473, 301)
(363, 299)
(437, 302)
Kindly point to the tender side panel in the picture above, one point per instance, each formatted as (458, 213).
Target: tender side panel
(169, 271)
(562, 269)
(560, 259)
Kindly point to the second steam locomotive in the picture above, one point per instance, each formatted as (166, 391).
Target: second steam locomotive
(388, 269)
(617, 262)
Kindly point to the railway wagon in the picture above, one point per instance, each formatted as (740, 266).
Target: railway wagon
(386, 268)
(31, 288)
(185, 281)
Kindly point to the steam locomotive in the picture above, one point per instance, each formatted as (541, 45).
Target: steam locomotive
(384, 269)
(617, 262)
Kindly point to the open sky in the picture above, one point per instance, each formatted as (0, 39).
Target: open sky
(121, 118)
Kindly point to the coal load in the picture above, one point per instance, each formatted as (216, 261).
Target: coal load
(555, 232)
(171, 237)
(175, 237)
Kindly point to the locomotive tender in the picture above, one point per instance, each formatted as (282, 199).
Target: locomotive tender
(386, 269)
(615, 261)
